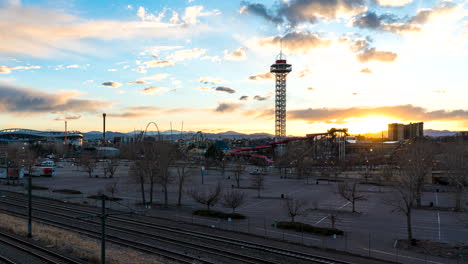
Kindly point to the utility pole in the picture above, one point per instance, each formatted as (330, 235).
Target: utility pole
(103, 217)
(29, 205)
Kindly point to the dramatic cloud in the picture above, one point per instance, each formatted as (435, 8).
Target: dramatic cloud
(262, 77)
(261, 98)
(373, 54)
(297, 42)
(7, 70)
(182, 55)
(227, 107)
(236, 55)
(393, 2)
(19, 100)
(209, 80)
(244, 98)
(400, 112)
(41, 32)
(366, 70)
(155, 90)
(111, 84)
(159, 63)
(305, 11)
(193, 12)
(391, 23)
(225, 89)
(261, 11)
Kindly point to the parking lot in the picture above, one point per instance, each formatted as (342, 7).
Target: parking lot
(371, 231)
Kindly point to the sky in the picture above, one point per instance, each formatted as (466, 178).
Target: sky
(357, 64)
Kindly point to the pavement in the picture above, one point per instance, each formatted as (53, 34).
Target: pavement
(373, 231)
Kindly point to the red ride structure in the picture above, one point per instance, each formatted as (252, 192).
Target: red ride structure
(247, 152)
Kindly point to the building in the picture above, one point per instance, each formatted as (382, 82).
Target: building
(414, 130)
(13, 135)
(396, 132)
(399, 132)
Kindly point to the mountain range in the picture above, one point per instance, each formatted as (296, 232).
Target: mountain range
(110, 135)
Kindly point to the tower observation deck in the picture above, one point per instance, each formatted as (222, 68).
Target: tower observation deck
(280, 69)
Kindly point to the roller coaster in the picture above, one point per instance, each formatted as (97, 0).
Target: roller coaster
(333, 136)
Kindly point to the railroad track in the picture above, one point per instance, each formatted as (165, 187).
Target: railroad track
(222, 255)
(295, 255)
(33, 250)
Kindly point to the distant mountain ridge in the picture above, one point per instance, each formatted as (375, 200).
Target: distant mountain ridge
(110, 135)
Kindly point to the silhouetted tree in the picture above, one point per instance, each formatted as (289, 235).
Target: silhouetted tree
(295, 207)
(350, 192)
(233, 199)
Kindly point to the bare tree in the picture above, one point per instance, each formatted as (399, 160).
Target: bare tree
(105, 169)
(183, 174)
(456, 166)
(207, 197)
(88, 163)
(137, 173)
(350, 193)
(258, 182)
(112, 166)
(167, 154)
(416, 160)
(238, 170)
(295, 207)
(406, 187)
(233, 199)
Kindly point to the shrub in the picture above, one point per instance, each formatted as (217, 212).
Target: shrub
(67, 191)
(37, 187)
(218, 214)
(321, 231)
(98, 197)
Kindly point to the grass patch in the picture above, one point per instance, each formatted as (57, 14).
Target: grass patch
(218, 214)
(98, 197)
(299, 227)
(37, 187)
(74, 244)
(435, 248)
(67, 191)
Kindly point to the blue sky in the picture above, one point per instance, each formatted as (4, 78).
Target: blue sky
(356, 63)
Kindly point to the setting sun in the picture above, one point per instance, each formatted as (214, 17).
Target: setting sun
(370, 124)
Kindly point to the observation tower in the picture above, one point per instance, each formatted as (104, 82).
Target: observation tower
(280, 69)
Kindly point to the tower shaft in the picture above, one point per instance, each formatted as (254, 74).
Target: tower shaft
(280, 105)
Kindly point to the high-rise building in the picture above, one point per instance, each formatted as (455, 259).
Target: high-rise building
(398, 132)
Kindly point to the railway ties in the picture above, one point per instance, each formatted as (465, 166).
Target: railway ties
(217, 247)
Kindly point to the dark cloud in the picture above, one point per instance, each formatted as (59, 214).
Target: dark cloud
(18, 100)
(391, 23)
(366, 70)
(262, 76)
(244, 98)
(261, 98)
(373, 54)
(111, 84)
(295, 12)
(400, 112)
(297, 42)
(261, 11)
(227, 107)
(225, 89)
